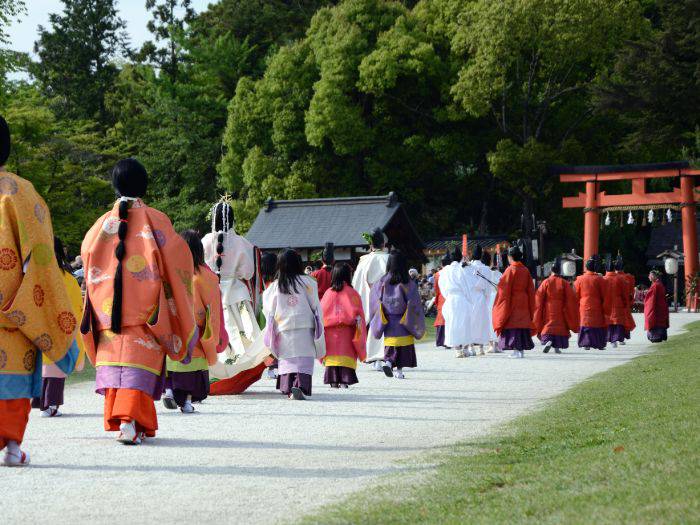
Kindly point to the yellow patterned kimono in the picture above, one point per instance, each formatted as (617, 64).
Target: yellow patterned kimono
(35, 311)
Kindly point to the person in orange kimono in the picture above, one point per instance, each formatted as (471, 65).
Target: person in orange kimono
(556, 311)
(138, 305)
(439, 323)
(36, 317)
(188, 383)
(323, 274)
(617, 301)
(628, 279)
(345, 329)
(514, 307)
(591, 290)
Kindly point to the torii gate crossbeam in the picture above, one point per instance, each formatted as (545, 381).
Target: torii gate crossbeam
(593, 200)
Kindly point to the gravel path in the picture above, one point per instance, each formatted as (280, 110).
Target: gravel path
(260, 458)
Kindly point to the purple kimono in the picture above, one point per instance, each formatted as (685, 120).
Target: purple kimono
(396, 313)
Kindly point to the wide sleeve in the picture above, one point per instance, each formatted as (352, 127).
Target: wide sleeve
(359, 341)
(571, 310)
(377, 319)
(606, 294)
(76, 299)
(245, 267)
(40, 308)
(211, 336)
(502, 306)
(175, 327)
(540, 307)
(413, 319)
(530, 287)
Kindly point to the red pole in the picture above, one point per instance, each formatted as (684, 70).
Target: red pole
(591, 221)
(690, 234)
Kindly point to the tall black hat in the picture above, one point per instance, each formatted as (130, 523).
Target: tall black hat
(5, 142)
(478, 251)
(457, 254)
(592, 263)
(515, 253)
(619, 263)
(446, 259)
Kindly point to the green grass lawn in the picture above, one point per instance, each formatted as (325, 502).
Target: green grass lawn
(622, 447)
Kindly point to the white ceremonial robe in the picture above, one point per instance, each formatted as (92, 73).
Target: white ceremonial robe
(454, 285)
(495, 279)
(238, 265)
(370, 269)
(481, 291)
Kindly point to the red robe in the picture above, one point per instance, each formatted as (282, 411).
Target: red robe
(515, 300)
(556, 307)
(628, 278)
(655, 307)
(439, 302)
(617, 300)
(592, 291)
(323, 278)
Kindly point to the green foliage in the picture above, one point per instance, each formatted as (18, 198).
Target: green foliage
(76, 55)
(67, 162)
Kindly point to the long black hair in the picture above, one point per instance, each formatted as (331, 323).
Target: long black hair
(289, 271)
(397, 267)
(341, 275)
(61, 255)
(194, 242)
(130, 179)
(268, 266)
(222, 222)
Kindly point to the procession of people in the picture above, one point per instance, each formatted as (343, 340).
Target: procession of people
(180, 317)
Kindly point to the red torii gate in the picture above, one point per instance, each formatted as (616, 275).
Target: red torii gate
(593, 201)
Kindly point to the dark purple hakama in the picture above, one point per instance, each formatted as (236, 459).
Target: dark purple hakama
(401, 356)
(51, 393)
(589, 337)
(616, 333)
(440, 336)
(183, 384)
(558, 341)
(285, 382)
(339, 375)
(516, 339)
(657, 335)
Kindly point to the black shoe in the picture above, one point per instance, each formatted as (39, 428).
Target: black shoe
(547, 346)
(169, 403)
(387, 371)
(297, 393)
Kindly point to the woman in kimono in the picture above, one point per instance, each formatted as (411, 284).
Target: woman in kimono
(556, 311)
(591, 290)
(370, 269)
(53, 378)
(499, 262)
(345, 329)
(439, 303)
(294, 327)
(188, 383)
(455, 285)
(36, 317)
(514, 308)
(138, 305)
(231, 257)
(656, 319)
(396, 313)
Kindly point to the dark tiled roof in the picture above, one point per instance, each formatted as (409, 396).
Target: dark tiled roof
(310, 223)
(666, 237)
(485, 242)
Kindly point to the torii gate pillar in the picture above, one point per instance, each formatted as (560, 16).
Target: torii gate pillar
(591, 222)
(690, 234)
